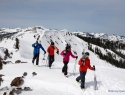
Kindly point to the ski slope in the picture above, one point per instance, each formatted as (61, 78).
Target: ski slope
(51, 81)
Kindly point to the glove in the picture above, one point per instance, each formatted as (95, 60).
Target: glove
(76, 57)
(44, 52)
(57, 52)
(94, 67)
(64, 52)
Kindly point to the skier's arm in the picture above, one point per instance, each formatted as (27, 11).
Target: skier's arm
(42, 48)
(90, 67)
(33, 45)
(73, 55)
(57, 50)
(62, 53)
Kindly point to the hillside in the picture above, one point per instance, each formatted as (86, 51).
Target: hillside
(110, 79)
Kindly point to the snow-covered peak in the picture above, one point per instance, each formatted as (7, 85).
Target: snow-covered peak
(102, 36)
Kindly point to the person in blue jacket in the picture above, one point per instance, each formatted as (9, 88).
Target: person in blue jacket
(36, 51)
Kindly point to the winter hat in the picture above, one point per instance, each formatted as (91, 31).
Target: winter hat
(68, 46)
(36, 42)
(87, 54)
(52, 43)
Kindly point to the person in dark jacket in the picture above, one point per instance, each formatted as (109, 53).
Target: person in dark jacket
(84, 63)
(36, 51)
(50, 51)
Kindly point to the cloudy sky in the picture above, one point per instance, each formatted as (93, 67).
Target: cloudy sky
(98, 16)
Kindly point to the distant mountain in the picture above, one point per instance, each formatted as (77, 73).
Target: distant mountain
(113, 37)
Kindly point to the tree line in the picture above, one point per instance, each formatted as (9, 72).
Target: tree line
(114, 46)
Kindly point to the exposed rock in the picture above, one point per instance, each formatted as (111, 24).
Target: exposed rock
(17, 43)
(4, 88)
(17, 81)
(34, 73)
(18, 90)
(4, 93)
(1, 65)
(27, 89)
(1, 58)
(1, 75)
(1, 80)
(6, 54)
(12, 92)
(25, 74)
(6, 62)
(23, 62)
(18, 61)
(11, 53)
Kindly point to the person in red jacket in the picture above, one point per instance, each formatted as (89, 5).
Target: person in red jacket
(50, 51)
(84, 63)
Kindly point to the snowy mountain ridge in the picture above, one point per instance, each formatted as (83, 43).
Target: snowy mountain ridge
(112, 37)
(52, 81)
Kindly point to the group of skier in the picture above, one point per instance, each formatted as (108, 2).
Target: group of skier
(84, 61)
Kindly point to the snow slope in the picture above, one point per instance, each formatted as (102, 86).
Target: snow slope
(51, 81)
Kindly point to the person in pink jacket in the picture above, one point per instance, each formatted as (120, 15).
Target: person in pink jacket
(66, 57)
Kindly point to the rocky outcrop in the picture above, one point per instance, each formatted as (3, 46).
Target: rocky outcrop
(18, 61)
(1, 65)
(18, 81)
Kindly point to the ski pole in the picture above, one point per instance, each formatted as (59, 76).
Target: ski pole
(74, 70)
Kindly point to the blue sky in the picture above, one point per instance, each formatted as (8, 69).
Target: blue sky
(98, 16)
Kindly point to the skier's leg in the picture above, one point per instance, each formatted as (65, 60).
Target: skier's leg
(82, 74)
(65, 68)
(49, 61)
(34, 57)
(37, 59)
(52, 60)
(78, 78)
